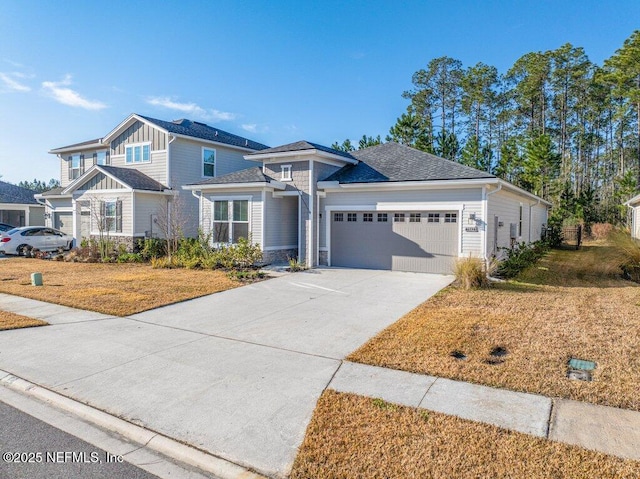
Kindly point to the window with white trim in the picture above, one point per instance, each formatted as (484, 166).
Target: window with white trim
(433, 218)
(450, 217)
(352, 217)
(285, 173)
(383, 217)
(398, 217)
(208, 162)
(140, 153)
(414, 218)
(230, 221)
(338, 217)
(109, 217)
(367, 217)
(75, 166)
(101, 158)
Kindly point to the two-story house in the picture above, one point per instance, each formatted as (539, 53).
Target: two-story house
(129, 181)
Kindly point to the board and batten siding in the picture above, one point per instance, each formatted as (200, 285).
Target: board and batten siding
(281, 222)
(64, 164)
(446, 199)
(139, 132)
(255, 210)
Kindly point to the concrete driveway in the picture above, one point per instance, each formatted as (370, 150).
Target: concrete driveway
(237, 373)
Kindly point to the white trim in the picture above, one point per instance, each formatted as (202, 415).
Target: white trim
(169, 139)
(221, 186)
(281, 194)
(135, 145)
(296, 156)
(485, 217)
(310, 235)
(215, 143)
(133, 213)
(286, 169)
(262, 214)
(230, 221)
(215, 162)
(109, 233)
(81, 147)
(299, 225)
(276, 248)
(79, 193)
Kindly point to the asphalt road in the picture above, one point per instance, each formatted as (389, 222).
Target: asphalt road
(45, 452)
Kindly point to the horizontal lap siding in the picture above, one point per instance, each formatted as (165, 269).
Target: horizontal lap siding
(281, 221)
(506, 205)
(126, 198)
(471, 198)
(255, 218)
(538, 219)
(156, 168)
(145, 207)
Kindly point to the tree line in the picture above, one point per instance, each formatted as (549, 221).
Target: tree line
(555, 124)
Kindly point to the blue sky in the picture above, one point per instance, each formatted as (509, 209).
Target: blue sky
(274, 71)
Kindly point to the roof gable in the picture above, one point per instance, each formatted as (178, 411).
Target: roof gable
(303, 145)
(100, 177)
(391, 161)
(16, 194)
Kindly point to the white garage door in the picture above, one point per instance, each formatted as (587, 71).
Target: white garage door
(420, 241)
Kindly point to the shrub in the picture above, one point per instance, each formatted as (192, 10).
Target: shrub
(151, 248)
(519, 257)
(626, 253)
(245, 254)
(470, 273)
(295, 265)
(129, 258)
(601, 231)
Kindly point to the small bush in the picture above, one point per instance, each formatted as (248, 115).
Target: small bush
(246, 275)
(626, 253)
(129, 258)
(295, 265)
(601, 231)
(152, 248)
(519, 257)
(470, 273)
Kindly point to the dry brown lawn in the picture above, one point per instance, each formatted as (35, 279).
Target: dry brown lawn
(116, 289)
(355, 437)
(571, 304)
(16, 321)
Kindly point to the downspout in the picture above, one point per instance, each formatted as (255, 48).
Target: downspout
(199, 198)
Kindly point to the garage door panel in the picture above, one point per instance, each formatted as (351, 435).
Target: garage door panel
(417, 246)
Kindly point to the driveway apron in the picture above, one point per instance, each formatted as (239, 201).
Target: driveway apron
(237, 373)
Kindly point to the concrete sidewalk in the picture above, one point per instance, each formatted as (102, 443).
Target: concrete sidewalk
(600, 428)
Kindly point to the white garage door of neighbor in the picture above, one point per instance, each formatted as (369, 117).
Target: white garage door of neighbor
(419, 241)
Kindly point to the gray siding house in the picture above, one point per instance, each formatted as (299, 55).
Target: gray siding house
(18, 206)
(132, 177)
(385, 207)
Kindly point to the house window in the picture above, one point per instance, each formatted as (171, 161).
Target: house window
(398, 217)
(110, 216)
(208, 162)
(101, 158)
(520, 223)
(230, 221)
(367, 217)
(433, 218)
(383, 217)
(75, 166)
(137, 153)
(352, 217)
(450, 217)
(285, 174)
(338, 217)
(414, 218)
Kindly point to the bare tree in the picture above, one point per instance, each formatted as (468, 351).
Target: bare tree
(172, 219)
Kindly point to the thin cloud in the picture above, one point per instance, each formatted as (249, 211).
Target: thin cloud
(250, 127)
(11, 83)
(61, 93)
(191, 109)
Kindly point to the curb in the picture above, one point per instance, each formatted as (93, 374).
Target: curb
(221, 468)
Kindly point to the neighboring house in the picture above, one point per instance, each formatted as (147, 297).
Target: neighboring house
(384, 207)
(634, 204)
(128, 183)
(18, 206)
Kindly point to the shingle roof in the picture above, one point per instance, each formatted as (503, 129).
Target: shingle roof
(250, 175)
(205, 132)
(16, 194)
(78, 146)
(54, 191)
(395, 162)
(301, 146)
(134, 178)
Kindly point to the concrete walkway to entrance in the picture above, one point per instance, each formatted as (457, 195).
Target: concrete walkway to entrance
(237, 374)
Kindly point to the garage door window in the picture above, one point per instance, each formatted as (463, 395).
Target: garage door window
(398, 217)
(414, 218)
(383, 217)
(367, 217)
(352, 217)
(433, 218)
(450, 217)
(338, 217)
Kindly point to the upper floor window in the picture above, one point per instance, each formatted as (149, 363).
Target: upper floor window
(286, 173)
(101, 158)
(208, 162)
(75, 166)
(137, 153)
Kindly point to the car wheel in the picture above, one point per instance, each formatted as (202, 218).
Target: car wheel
(24, 250)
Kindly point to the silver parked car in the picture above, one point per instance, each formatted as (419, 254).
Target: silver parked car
(22, 240)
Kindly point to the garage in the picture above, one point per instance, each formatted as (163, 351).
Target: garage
(64, 222)
(418, 241)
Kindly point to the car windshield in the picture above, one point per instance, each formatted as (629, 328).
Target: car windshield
(10, 232)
